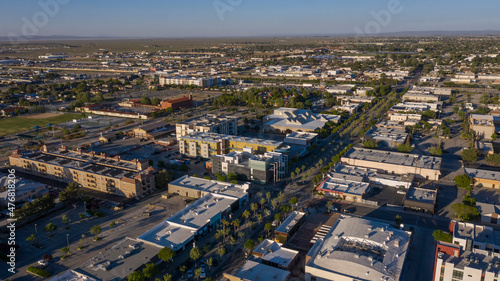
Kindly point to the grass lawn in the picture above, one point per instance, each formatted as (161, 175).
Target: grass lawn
(21, 124)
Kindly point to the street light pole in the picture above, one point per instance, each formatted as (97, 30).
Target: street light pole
(67, 239)
(36, 235)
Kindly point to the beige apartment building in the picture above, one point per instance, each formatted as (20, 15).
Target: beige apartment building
(133, 179)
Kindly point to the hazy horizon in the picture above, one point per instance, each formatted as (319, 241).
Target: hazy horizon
(243, 18)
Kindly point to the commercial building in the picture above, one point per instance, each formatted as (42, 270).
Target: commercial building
(291, 119)
(190, 81)
(254, 271)
(407, 119)
(24, 190)
(426, 167)
(153, 131)
(132, 179)
(354, 99)
(289, 226)
(261, 168)
(386, 137)
(72, 275)
(432, 90)
(301, 138)
(118, 261)
(420, 97)
(414, 107)
(194, 187)
(183, 102)
(421, 200)
(345, 187)
(374, 177)
(489, 212)
(358, 249)
(207, 144)
(209, 123)
(270, 253)
(192, 222)
(474, 254)
(484, 125)
(484, 178)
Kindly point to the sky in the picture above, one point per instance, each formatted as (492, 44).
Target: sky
(242, 18)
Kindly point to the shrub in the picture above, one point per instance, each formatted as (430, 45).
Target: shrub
(440, 235)
(38, 271)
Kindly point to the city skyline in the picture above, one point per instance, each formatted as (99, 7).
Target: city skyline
(224, 18)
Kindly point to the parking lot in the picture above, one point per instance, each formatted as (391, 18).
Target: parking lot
(130, 222)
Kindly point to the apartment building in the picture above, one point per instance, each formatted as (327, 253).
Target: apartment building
(207, 144)
(209, 123)
(133, 179)
(190, 81)
(261, 168)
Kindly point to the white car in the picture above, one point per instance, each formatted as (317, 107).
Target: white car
(43, 262)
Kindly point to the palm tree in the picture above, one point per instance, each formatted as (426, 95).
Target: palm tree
(209, 262)
(246, 214)
(183, 269)
(293, 201)
(254, 207)
(236, 224)
(329, 205)
(195, 254)
(241, 235)
(268, 226)
(167, 277)
(262, 201)
(268, 197)
(197, 273)
(221, 251)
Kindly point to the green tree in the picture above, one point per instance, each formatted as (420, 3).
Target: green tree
(31, 238)
(166, 254)
(145, 100)
(464, 212)
(398, 220)
(493, 159)
(197, 273)
(369, 144)
(195, 254)
(209, 262)
(329, 205)
(50, 227)
(95, 230)
(436, 151)
(440, 235)
(254, 207)
(71, 193)
(274, 203)
(64, 250)
(268, 196)
(470, 154)
(293, 201)
(65, 219)
(167, 277)
(462, 181)
(268, 226)
(249, 244)
(404, 148)
(277, 217)
(494, 136)
(221, 251)
(150, 270)
(136, 276)
(112, 224)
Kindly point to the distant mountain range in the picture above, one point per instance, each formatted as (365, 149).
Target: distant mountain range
(386, 34)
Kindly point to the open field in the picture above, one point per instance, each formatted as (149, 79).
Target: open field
(42, 115)
(20, 124)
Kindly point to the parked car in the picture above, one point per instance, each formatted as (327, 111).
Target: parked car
(190, 273)
(203, 273)
(43, 262)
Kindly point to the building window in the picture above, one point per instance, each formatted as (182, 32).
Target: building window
(457, 275)
(442, 270)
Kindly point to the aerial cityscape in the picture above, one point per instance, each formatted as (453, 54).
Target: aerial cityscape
(256, 140)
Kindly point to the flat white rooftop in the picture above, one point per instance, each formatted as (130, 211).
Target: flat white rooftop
(274, 253)
(362, 249)
(483, 174)
(213, 186)
(344, 185)
(395, 158)
(290, 222)
(254, 271)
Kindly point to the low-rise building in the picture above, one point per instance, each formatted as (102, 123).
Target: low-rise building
(489, 212)
(484, 178)
(195, 187)
(375, 176)
(426, 167)
(118, 261)
(407, 119)
(414, 107)
(289, 226)
(386, 137)
(254, 271)
(189, 224)
(209, 123)
(153, 131)
(183, 102)
(261, 168)
(24, 190)
(72, 275)
(421, 200)
(190, 80)
(270, 253)
(344, 187)
(485, 125)
(112, 175)
(291, 119)
(358, 249)
(301, 138)
(420, 97)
